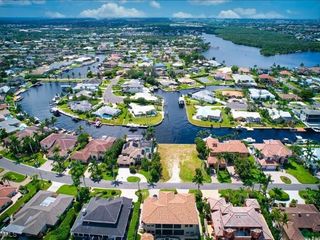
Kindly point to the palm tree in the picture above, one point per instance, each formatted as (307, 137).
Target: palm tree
(198, 178)
(53, 120)
(14, 145)
(5, 178)
(77, 171)
(95, 172)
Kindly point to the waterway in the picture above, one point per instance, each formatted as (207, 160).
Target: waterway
(244, 56)
(175, 127)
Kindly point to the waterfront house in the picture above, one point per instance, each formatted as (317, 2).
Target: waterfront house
(271, 153)
(267, 79)
(80, 106)
(63, 142)
(229, 222)
(84, 93)
(103, 219)
(279, 115)
(204, 95)
(92, 87)
(303, 218)
(171, 215)
(249, 117)
(107, 112)
(138, 110)
(216, 148)
(260, 94)
(134, 150)
(186, 80)
(244, 80)
(132, 86)
(310, 116)
(43, 211)
(207, 113)
(94, 150)
(237, 104)
(232, 94)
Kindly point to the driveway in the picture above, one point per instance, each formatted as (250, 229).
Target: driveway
(124, 173)
(234, 177)
(175, 171)
(275, 176)
(108, 96)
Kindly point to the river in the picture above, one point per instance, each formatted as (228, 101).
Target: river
(175, 127)
(244, 56)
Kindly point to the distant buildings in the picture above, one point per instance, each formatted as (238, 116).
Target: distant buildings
(40, 213)
(249, 117)
(171, 215)
(103, 219)
(260, 94)
(229, 222)
(244, 80)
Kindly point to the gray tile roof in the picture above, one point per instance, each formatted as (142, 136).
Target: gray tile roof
(104, 217)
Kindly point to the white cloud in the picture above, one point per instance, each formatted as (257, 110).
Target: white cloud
(228, 14)
(112, 10)
(187, 15)
(208, 2)
(155, 4)
(247, 13)
(54, 14)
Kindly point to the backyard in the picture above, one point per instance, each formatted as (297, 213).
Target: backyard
(183, 155)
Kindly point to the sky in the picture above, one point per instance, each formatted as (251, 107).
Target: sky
(99, 9)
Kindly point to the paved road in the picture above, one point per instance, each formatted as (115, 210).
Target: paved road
(108, 95)
(66, 179)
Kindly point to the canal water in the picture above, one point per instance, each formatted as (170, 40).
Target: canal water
(175, 127)
(244, 56)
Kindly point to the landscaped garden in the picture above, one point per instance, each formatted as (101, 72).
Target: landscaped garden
(133, 179)
(279, 194)
(14, 177)
(300, 172)
(105, 193)
(223, 176)
(285, 179)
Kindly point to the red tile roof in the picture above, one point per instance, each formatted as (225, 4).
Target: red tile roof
(273, 148)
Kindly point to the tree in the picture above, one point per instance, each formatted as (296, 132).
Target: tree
(5, 178)
(14, 145)
(77, 171)
(201, 148)
(82, 140)
(3, 134)
(53, 120)
(96, 173)
(198, 178)
(234, 69)
(280, 218)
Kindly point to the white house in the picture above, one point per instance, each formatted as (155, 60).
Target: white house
(244, 80)
(132, 86)
(204, 95)
(246, 116)
(207, 113)
(142, 110)
(261, 94)
(279, 115)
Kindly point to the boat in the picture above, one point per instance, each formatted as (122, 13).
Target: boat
(133, 129)
(55, 111)
(286, 140)
(249, 140)
(300, 140)
(17, 98)
(97, 124)
(36, 120)
(75, 119)
(181, 101)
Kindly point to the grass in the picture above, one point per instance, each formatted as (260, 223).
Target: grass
(279, 194)
(224, 176)
(14, 177)
(108, 175)
(310, 196)
(285, 179)
(300, 173)
(68, 190)
(105, 193)
(33, 160)
(145, 173)
(63, 230)
(32, 190)
(133, 225)
(133, 179)
(144, 194)
(186, 156)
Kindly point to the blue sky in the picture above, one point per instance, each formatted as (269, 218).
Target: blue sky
(301, 9)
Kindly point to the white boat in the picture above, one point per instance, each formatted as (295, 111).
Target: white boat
(300, 140)
(181, 101)
(249, 140)
(97, 123)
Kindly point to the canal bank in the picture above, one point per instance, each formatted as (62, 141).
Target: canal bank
(175, 127)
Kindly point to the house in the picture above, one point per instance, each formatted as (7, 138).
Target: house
(289, 97)
(216, 148)
(92, 87)
(312, 117)
(142, 110)
(285, 73)
(207, 113)
(84, 93)
(271, 153)
(244, 80)
(10, 125)
(260, 94)
(204, 95)
(4, 89)
(229, 222)
(43, 211)
(63, 142)
(249, 117)
(6, 193)
(232, 94)
(134, 150)
(279, 115)
(266, 78)
(107, 112)
(80, 106)
(27, 132)
(94, 150)
(103, 219)
(171, 215)
(132, 86)
(237, 104)
(304, 217)
(186, 80)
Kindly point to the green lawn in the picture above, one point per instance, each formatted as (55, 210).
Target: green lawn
(133, 179)
(310, 196)
(32, 190)
(105, 193)
(224, 176)
(279, 195)
(34, 160)
(145, 173)
(285, 179)
(144, 194)
(14, 177)
(68, 189)
(300, 173)
(134, 222)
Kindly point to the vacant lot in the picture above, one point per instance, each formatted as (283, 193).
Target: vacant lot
(183, 155)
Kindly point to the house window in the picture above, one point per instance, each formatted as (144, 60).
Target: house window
(177, 226)
(158, 225)
(167, 225)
